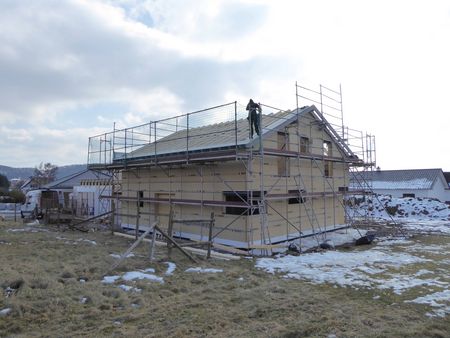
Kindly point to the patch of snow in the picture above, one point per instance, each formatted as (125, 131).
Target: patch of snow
(412, 210)
(394, 242)
(438, 300)
(428, 226)
(83, 300)
(203, 270)
(433, 248)
(342, 268)
(118, 256)
(5, 312)
(75, 242)
(27, 230)
(336, 238)
(170, 268)
(87, 240)
(131, 275)
(151, 270)
(129, 288)
(35, 222)
(110, 279)
(422, 272)
(400, 283)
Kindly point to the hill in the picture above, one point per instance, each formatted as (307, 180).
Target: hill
(25, 173)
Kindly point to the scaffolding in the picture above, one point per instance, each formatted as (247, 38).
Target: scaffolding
(287, 183)
(363, 145)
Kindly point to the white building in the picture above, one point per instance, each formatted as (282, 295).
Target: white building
(425, 183)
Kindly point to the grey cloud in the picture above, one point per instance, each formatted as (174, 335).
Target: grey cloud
(62, 53)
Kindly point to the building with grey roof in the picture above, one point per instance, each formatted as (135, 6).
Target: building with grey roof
(286, 183)
(429, 183)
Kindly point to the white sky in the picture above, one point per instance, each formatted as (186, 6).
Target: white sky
(69, 69)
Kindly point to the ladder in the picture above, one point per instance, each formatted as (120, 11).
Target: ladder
(265, 234)
(312, 217)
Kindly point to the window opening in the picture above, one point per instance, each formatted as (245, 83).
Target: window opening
(240, 196)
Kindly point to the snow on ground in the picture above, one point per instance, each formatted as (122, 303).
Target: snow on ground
(438, 300)
(27, 230)
(75, 242)
(132, 275)
(429, 226)
(396, 265)
(384, 207)
(203, 270)
(110, 279)
(170, 268)
(5, 312)
(118, 255)
(336, 238)
(125, 287)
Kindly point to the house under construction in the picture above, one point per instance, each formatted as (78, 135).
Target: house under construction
(285, 184)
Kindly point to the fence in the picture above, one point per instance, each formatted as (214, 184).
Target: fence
(10, 211)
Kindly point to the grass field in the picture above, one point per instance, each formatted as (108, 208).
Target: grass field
(62, 292)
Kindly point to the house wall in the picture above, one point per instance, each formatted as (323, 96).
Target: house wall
(193, 182)
(209, 181)
(86, 200)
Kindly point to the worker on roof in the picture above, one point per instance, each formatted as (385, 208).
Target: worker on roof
(253, 116)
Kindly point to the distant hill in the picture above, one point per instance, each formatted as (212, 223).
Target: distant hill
(25, 173)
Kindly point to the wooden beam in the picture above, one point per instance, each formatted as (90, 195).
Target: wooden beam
(187, 254)
(132, 247)
(196, 251)
(90, 219)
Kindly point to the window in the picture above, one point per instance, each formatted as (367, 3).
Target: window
(327, 148)
(409, 195)
(328, 168)
(141, 195)
(240, 196)
(304, 145)
(299, 198)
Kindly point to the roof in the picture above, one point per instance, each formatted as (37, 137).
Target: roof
(68, 182)
(225, 135)
(408, 179)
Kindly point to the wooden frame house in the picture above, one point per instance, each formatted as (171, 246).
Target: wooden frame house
(286, 183)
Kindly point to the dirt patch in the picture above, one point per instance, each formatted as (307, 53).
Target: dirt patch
(64, 293)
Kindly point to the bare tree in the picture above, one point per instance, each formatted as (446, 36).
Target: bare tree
(44, 174)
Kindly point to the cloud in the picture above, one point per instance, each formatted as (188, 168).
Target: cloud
(58, 59)
(83, 65)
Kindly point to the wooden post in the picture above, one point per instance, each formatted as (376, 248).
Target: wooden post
(211, 224)
(170, 231)
(138, 214)
(176, 244)
(152, 244)
(15, 212)
(131, 248)
(112, 219)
